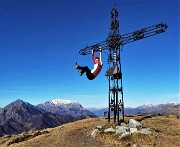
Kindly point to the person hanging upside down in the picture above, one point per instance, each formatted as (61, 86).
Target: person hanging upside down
(91, 74)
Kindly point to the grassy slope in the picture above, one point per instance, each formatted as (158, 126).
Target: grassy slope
(165, 133)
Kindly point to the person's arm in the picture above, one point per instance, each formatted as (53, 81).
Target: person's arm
(93, 55)
(100, 53)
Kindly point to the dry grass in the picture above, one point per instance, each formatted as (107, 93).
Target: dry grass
(165, 133)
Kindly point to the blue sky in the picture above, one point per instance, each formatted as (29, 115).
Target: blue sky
(40, 41)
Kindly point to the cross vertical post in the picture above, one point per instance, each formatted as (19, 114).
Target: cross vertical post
(114, 73)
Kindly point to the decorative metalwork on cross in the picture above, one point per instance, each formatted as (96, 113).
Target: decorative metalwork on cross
(113, 44)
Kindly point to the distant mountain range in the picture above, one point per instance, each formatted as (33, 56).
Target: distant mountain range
(169, 108)
(20, 116)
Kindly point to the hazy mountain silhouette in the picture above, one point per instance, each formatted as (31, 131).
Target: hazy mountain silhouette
(169, 108)
(20, 116)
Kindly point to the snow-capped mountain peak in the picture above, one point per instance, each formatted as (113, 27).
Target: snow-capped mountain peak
(64, 107)
(148, 105)
(62, 102)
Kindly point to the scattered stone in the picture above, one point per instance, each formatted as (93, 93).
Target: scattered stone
(109, 130)
(125, 134)
(134, 124)
(100, 127)
(144, 131)
(120, 129)
(132, 130)
(94, 133)
(135, 145)
(123, 124)
(124, 130)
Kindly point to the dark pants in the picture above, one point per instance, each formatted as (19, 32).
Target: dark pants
(89, 75)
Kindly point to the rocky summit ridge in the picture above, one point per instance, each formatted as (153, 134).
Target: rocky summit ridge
(20, 116)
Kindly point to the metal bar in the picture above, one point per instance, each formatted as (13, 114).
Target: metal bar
(109, 101)
(147, 32)
(126, 38)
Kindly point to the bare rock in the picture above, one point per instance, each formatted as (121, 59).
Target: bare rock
(134, 124)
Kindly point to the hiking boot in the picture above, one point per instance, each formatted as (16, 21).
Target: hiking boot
(76, 65)
(80, 72)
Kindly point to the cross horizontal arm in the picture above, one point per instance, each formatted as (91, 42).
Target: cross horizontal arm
(143, 33)
(116, 40)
